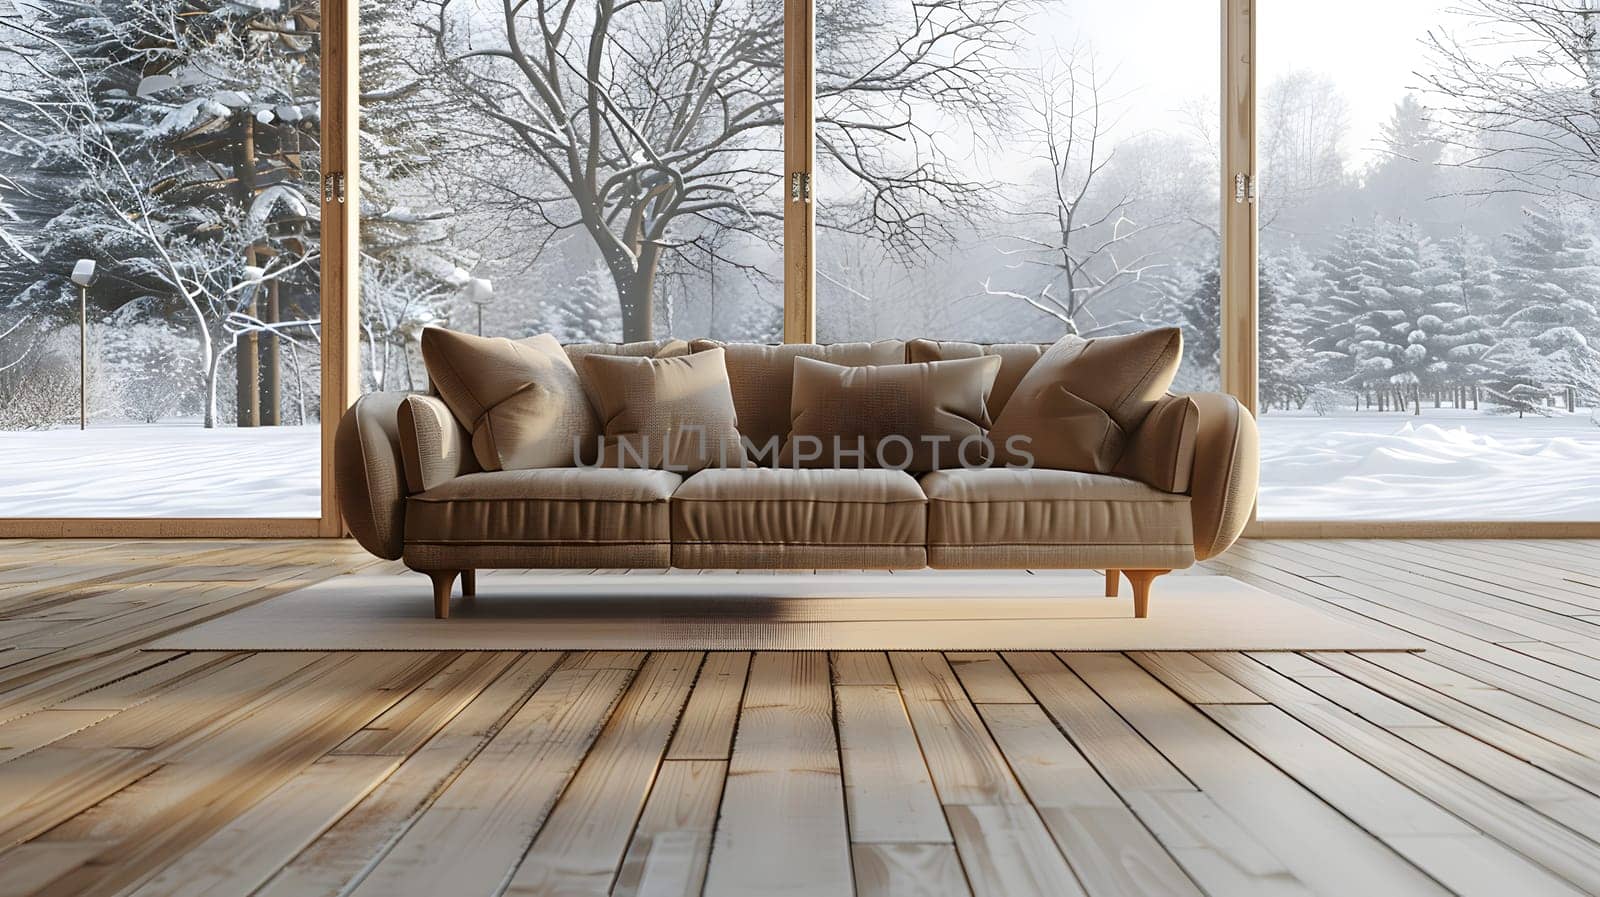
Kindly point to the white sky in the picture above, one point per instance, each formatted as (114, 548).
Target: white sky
(1167, 50)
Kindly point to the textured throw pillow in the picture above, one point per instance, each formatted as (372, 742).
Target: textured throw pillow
(763, 381)
(1082, 399)
(520, 399)
(914, 417)
(1016, 359)
(665, 413)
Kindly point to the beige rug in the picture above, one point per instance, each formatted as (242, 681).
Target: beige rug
(931, 611)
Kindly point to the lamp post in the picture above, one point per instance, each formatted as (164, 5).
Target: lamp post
(83, 274)
(480, 291)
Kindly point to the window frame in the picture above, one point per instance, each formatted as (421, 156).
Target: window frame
(341, 254)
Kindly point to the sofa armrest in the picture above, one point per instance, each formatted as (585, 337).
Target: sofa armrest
(369, 473)
(1227, 472)
(1161, 452)
(1203, 444)
(434, 447)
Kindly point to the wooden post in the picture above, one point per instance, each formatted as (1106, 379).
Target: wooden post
(799, 209)
(272, 363)
(341, 239)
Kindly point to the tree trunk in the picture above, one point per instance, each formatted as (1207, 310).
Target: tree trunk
(272, 365)
(1416, 400)
(636, 292)
(213, 370)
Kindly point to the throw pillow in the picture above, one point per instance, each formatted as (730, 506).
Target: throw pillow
(763, 382)
(520, 399)
(665, 413)
(914, 417)
(1078, 404)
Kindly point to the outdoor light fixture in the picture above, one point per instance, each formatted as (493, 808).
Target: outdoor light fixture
(83, 274)
(480, 290)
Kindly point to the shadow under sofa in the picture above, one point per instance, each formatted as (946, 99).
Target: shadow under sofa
(411, 490)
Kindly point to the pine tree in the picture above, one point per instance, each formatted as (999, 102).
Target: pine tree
(1550, 311)
(1192, 299)
(1287, 368)
(1343, 301)
(586, 310)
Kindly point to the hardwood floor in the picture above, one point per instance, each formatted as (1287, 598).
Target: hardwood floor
(1473, 768)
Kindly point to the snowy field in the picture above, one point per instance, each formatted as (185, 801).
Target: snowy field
(1443, 465)
(170, 469)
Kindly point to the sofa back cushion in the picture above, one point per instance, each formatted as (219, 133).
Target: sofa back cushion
(1084, 397)
(762, 378)
(915, 417)
(520, 399)
(665, 413)
(1016, 359)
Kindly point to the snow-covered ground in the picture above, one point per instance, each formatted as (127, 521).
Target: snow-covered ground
(171, 469)
(1442, 465)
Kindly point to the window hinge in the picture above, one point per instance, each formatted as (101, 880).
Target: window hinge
(1244, 188)
(333, 187)
(800, 186)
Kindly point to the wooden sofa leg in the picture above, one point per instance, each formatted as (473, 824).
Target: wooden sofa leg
(1141, 580)
(469, 583)
(443, 582)
(1113, 582)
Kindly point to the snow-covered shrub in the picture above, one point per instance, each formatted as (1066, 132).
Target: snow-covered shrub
(1324, 401)
(154, 367)
(39, 392)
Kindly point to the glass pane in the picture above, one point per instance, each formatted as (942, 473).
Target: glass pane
(615, 178)
(174, 149)
(1430, 262)
(994, 171)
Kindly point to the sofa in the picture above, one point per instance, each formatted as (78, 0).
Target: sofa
(1181, 490)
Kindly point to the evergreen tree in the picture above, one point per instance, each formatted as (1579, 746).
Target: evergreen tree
(1287, 366)
(1192, 299)
(1550, 311)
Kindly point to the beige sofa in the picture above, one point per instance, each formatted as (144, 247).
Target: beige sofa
(410, 489)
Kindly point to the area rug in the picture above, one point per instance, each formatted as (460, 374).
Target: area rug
(927, 611)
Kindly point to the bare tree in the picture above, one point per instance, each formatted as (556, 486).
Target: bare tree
(655, 127)
(1084, 248)
(1516, 89)
(122, 205)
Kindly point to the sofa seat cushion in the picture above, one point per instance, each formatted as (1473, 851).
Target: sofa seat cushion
(1008, 518)
(549, 506)
(804, 507)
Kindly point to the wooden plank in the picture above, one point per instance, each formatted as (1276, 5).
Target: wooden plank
(1118, 752)
(1007, 852)
(861, 668)
(1321, 847)
(895, 870)
(706, 730)
(227, 770)
(487, 817)
(987, 679)
(1513, 823)
(242, 855)
(1576, 768)
(1193, 679)
(1106, 845)
(785, 767)
(417, 716)
(343, 854)
(887, 787)
(1414, 827)
(965, 764)
(582, 843)
(671, 846)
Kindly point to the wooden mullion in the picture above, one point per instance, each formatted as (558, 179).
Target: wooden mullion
(799, 230)
(341, 239)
